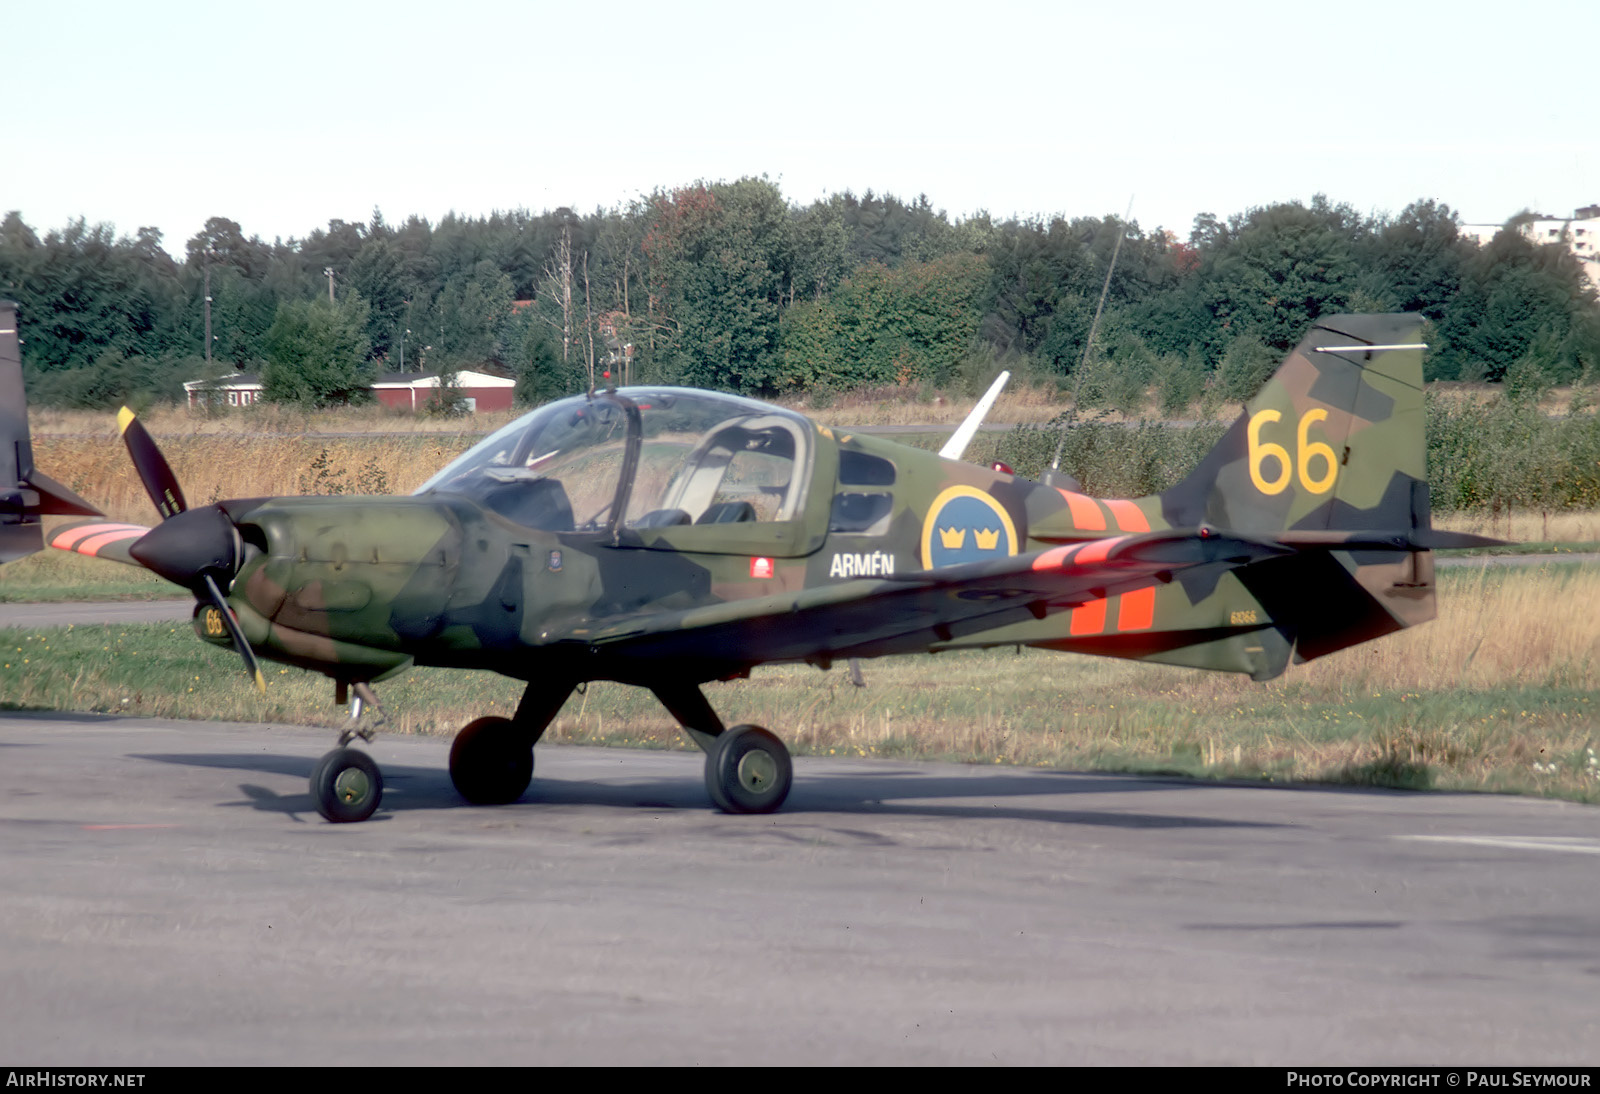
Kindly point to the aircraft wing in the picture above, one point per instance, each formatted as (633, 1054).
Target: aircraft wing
(99, 539)
(875, 616)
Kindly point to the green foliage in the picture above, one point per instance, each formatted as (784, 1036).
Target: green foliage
(1283, 267)
(1110, 459)
(317, 353)
(469, 314)
(1180, 381)
(535, 360)
(720, 260)
(1246, 365)
(115, 380)
(1516, 300)
(887, 326)
(730, 286)
(1506, 454)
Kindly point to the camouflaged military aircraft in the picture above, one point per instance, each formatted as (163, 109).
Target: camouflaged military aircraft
(665, 538)
(26, 493)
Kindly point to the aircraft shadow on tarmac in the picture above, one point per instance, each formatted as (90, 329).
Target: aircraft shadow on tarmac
(892, 792)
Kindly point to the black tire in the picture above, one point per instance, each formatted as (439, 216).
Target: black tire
(491, 763)
(346, 785)
(748, 770)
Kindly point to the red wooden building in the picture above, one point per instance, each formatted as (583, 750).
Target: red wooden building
(402, 390)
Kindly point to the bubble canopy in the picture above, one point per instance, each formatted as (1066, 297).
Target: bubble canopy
(639, 458)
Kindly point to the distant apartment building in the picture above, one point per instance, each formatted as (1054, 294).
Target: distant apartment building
(1580, 233)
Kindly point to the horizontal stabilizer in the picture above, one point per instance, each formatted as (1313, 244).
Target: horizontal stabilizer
(100, 539)
(1417, 539)
(57, 500)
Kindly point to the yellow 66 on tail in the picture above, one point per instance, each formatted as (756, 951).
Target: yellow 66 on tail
(1260, 450)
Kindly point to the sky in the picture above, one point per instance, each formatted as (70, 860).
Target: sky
(287, 115)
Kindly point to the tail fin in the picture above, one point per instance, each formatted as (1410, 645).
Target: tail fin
(1330, 457)
(26, 493)
(1333, 442)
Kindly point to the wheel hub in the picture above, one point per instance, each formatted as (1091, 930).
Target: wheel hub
(757, 771)
(352, 785)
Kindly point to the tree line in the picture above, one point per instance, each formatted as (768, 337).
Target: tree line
(732, 286)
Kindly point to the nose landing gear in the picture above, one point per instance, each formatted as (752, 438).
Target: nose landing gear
(346, 784)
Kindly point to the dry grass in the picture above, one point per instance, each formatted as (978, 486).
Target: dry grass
(232, 465)
(1528, 526)
(176, 421)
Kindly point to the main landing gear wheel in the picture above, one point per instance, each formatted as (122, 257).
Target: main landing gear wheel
(346, 785)
(748, 771)
(491, 762)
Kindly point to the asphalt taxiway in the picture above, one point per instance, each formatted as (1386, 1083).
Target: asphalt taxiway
(171, 897)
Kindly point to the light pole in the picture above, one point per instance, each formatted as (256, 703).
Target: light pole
(329, 271)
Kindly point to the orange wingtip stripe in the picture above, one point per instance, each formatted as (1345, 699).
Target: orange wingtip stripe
(1098, 550)
(1089, 618)
(69, 539)
(93, 545)
(1127, 515)
(1086, 512)
(1137, 612)
(1055, 558)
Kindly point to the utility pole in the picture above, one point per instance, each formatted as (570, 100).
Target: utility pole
(208, 311)
(403, 351)
(329, 271)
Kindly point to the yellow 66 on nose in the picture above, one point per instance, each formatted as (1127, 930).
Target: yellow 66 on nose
(1261, 450)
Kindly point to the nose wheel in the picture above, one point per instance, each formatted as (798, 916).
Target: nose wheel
(748, 771)
(346, 785)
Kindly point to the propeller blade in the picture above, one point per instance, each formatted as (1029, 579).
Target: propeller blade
(251, 665)
(154, 471)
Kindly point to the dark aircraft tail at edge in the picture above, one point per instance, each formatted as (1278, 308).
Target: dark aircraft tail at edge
(26, 493)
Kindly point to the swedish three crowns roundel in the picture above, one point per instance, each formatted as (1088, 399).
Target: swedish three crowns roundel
(966, 525)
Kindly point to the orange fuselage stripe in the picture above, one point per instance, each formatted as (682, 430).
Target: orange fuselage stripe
(1086, 512)
(1089, 618)
(1128, 516)
(1137, 612)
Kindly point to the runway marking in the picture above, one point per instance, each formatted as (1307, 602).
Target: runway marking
(1582, 845)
